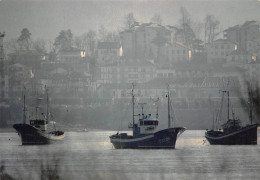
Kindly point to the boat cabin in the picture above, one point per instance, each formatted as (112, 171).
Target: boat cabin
(147, 124)
(231, 125)
(39, 123)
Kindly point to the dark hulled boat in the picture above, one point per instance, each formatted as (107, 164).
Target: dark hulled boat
(37, 131)
(145, 133)
(233, 133)
(33, 134)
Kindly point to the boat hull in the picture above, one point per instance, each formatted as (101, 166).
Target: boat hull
(31, 135)
(244, 136)
(162, 139)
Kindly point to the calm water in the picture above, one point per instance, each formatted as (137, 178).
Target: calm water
(89, 155)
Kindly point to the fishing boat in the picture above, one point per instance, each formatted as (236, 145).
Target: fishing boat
(233, 133)
(146, 133)
(38, 130)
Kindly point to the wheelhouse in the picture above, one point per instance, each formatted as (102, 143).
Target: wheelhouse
(39, 123)
(147, 124)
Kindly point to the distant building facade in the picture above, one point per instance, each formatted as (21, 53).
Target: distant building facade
(127, 72)
(218, 51)
(72, 55)
(176, 52)
(145, 40)
(241, 34)
(108, 52)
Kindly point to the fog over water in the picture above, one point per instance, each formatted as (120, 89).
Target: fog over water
(91, 156)
(45, 18)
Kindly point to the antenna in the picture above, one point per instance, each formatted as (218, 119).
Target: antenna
(157, 108)
(47, 104)
(169, 111)
(250, 103)
(24, 116)
(142, 104)
(133, 102)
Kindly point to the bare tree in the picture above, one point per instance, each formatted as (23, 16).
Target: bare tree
(185, 31)
(185, 16)
(197, 27)
(156, 19)
(211, 26)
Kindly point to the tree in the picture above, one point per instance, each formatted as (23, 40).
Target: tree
(24, 40)
(185, 16)
(64, 41)
(185, 30)
(129, 20)
(12, 45)
(211, 25)
(159, 41)
(156, 19)
(87, 41)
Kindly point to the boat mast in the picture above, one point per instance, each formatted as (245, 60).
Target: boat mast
(24, 116)
(142, 105)
(133, 102)
(250, 104)
(47, 105)
(169, 111)
(228, 104)
(157, 109)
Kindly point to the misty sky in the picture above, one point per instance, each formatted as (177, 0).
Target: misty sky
(46, 18)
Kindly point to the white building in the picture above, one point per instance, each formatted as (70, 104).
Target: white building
(108, 52)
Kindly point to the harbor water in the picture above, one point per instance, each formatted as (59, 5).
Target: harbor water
(90, 155)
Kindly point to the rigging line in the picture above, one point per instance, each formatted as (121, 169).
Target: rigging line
(173, 116)
(126, 110)
(220, 110)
